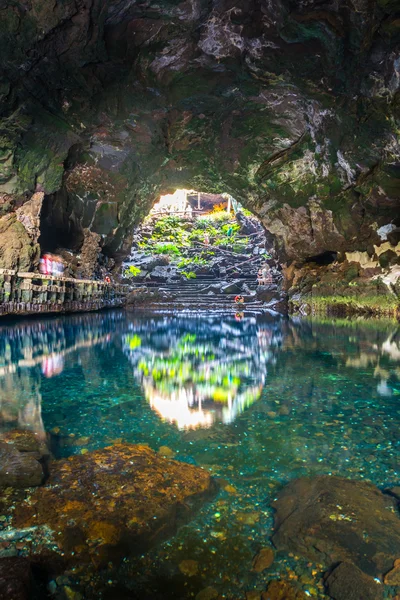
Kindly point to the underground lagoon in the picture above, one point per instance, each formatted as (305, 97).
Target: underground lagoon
(197, 456)
(199, 300)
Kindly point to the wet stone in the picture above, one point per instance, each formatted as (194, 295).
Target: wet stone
(18, 469)
(26, 441)
(332, 519)
(263, 560)
(106, 504)
(189, 567)
(348, 582)
(393, 576)
(282, 590)
(209, 593)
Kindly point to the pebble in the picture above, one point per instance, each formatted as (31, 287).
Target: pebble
(209, 593)
(166, 452)
(71, 594)
(263, 560)
(189, 567)
(250, 518)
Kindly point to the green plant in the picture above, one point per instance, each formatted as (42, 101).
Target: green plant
(132, 271)
(166, 249)
(189, 275)
(196, 260)
(220, 217)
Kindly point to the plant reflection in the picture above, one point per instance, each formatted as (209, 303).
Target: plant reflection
(195, 372)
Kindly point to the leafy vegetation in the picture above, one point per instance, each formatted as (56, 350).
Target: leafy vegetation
(166, 249)
(189, 244)
(132, 271)
(189, 275)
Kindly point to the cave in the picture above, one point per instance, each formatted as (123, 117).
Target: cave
(325, 258)
(57, 228)
(181, 393)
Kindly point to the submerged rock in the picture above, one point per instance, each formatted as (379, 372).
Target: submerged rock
(348, 582)
(15, 579)
(282, 590)
(27, 441)
(263, 560)
(18, 469)
(331, 519)
(114, 501)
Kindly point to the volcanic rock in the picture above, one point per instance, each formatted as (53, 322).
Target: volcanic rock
(164, 273)
(120, 499)
(15, 578)
(332, 519)
(27, 441)
(17, 250)
(348, 582)
(18, 469)
(266, 293)
(282, 590)
(232, 288)
(263, 560)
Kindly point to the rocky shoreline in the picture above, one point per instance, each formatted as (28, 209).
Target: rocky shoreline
(92, 510)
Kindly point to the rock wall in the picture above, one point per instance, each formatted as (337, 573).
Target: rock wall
(292, 107)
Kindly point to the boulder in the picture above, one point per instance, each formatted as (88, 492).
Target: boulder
(137, 295)
(332, 519)
(234, 287)
(149, 263)
(105, 504)
(15, 578)
(17, 250)
(164, 273)
(19, 469)
(348, 582)
(266, 293)
(282, 590)
(27, 441)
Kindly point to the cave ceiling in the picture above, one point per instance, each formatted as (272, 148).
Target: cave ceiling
(292, 107)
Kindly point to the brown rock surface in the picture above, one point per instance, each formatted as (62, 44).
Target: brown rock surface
(90, 253)
(18, 469)
(26, 441)
(331, 519)
(120, 499)
(282, 590)
(263, 560)
(393, 577)
(348, 582)
(17, 251)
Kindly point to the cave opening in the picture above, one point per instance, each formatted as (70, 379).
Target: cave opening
(198, 243)
(324, 258)
(58, 228)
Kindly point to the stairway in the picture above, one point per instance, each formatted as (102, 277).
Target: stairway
(193, 295)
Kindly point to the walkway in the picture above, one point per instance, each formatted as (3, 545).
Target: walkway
(33, 293)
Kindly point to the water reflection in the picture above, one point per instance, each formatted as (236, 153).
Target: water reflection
(194, 372)
(29, 349)
(198, 371)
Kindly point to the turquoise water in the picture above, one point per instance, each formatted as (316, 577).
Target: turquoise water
(256, 402)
